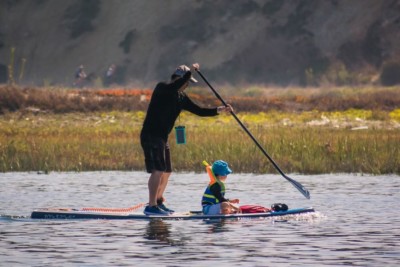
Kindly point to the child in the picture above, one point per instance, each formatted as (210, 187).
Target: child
(214, 201)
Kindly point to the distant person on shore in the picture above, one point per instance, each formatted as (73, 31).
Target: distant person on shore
(214, 201)
(110, 75)
(167, 102)
(80, 77)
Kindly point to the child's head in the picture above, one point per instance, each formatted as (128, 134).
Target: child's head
(221, 168)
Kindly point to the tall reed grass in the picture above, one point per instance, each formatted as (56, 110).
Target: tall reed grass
(110, 141)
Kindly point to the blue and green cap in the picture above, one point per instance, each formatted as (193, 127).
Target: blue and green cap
(221, 168)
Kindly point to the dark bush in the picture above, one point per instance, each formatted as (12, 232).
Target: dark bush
(128, 40)
(1, 40)
(273, 6)
(390, 74)
(78, 17)
(11, 99)
(3, 73)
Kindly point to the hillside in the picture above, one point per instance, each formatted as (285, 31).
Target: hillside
(296, 42)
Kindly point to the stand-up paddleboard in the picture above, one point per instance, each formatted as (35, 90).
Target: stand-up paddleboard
(127, 214)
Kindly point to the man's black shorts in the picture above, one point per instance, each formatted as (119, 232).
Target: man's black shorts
(156, 154)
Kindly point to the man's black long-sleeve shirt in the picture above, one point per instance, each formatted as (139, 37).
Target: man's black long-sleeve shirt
(165, 106)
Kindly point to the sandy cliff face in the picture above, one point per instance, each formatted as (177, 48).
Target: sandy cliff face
(254, 41)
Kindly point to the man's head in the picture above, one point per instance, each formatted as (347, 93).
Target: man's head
(180, 71)
(221, 168)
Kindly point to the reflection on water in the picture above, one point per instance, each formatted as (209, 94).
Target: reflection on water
(357, 223)
(217, 226)
(159, 230)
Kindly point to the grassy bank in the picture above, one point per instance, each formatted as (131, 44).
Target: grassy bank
(309, 142)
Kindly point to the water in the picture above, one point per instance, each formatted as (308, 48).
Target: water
(358, 222)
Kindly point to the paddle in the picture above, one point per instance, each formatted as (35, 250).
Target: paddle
(296, 184)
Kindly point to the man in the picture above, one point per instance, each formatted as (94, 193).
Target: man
(167, 102)
(80, 77)
(110, 75)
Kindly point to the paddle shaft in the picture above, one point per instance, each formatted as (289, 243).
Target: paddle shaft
(296, 184)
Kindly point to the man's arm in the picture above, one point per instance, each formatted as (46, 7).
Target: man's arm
(195, 109)
(178, 83)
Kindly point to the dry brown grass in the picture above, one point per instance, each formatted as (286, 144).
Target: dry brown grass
(61, 100)
(64, 100)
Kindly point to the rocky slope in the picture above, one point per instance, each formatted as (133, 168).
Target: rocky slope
(249, 41)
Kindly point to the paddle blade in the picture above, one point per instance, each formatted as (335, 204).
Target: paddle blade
(299, 186)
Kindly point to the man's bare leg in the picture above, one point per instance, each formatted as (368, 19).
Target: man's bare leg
(154, 186)
(163, 185)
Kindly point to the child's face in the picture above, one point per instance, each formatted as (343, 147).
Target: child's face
(223, 178)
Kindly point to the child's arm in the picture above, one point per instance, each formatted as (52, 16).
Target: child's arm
(234, 201)
(235, 208)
